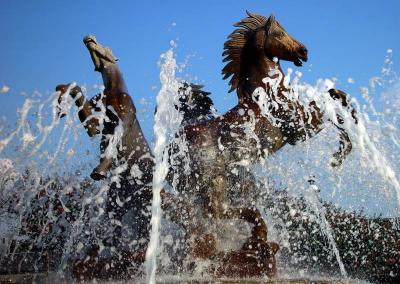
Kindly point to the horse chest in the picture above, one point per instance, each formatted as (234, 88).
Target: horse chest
(271, 138)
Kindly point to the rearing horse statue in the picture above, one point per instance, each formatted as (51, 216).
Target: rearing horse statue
(222, 147)
(123, 147)
(106, 111)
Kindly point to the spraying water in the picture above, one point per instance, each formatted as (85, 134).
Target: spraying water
(368, 152)
(167, 121)
(367, 179)
(311, 196)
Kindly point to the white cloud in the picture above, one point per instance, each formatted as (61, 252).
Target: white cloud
(4, 89)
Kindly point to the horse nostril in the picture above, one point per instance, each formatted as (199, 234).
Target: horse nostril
(304, 50)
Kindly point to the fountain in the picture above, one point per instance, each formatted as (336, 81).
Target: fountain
(228, 202)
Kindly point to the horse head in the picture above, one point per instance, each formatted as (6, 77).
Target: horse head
(274, 41)
(256, 42)
(101, 55)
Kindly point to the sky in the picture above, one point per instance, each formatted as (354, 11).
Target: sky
(41, 44)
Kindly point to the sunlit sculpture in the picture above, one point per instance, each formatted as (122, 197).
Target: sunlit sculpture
(217, 200)
(220, 149)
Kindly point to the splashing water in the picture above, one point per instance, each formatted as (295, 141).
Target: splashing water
(167, 121)
(370, 154)
(311, 196)
(47, 204)
(370, 171)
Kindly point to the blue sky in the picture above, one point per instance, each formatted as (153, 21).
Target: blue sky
(42, 42)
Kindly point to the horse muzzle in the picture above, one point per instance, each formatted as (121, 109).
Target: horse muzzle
(302, 56)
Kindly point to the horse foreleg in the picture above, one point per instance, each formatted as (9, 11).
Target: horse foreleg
(100, 172)
(86, 108)
(86, 113)
(343, 98)
(345, 142)
(344, 149)
(257, 256)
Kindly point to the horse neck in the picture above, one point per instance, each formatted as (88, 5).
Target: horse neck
(138, 140)
(256, 68)
(113, 80)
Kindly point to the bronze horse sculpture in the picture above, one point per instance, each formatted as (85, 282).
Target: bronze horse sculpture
(123, 146)
(220, 149)
(250, 52)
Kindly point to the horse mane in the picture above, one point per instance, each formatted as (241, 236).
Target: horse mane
(235, 43)
(195, 103)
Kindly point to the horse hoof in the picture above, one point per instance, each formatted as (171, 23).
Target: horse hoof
(62, 88)
(335, 163)
(97, 176)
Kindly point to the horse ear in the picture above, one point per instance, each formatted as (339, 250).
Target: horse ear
(271, 19)
(260, 39)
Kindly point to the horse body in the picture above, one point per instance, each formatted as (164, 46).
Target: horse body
(243, 135)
